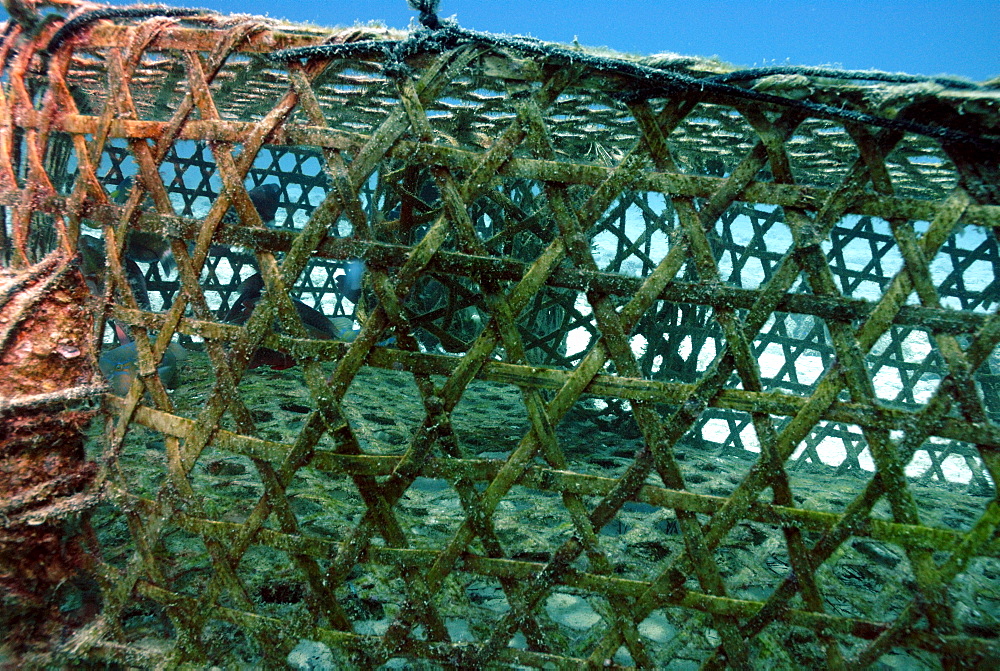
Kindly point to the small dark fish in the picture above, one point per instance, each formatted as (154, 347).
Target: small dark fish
(92, 265)
(350, 282)
(317, 324)
(272, 358)
(138, 284)
(265, 198)
(92, 262)
(146, 247)
(141, 245)
(249, 293)
(120, 365)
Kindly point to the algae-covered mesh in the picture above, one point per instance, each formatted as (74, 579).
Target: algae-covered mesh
(447, 348)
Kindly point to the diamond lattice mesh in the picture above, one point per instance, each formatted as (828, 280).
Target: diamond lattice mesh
(657, 364)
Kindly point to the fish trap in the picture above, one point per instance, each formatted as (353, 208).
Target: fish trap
(653, 361)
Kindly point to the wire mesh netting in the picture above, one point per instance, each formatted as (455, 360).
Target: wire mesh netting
(486, 351)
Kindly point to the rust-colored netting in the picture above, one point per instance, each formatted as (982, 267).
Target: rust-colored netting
(660, 361)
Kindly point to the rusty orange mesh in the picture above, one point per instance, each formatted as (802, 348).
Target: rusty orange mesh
(745, 321)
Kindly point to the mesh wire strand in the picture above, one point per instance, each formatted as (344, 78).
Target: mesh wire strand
(711, 274)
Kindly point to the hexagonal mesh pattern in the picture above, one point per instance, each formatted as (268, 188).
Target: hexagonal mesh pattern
(659, 361)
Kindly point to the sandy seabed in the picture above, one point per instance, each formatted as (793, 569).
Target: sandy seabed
(864, 578)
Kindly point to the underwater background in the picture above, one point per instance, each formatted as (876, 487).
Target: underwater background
(865, 580)
(924, 37)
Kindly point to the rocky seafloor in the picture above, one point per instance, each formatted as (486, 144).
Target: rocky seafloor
(863, 578)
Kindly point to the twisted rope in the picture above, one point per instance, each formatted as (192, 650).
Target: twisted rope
(438, 36)
(77, 24)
